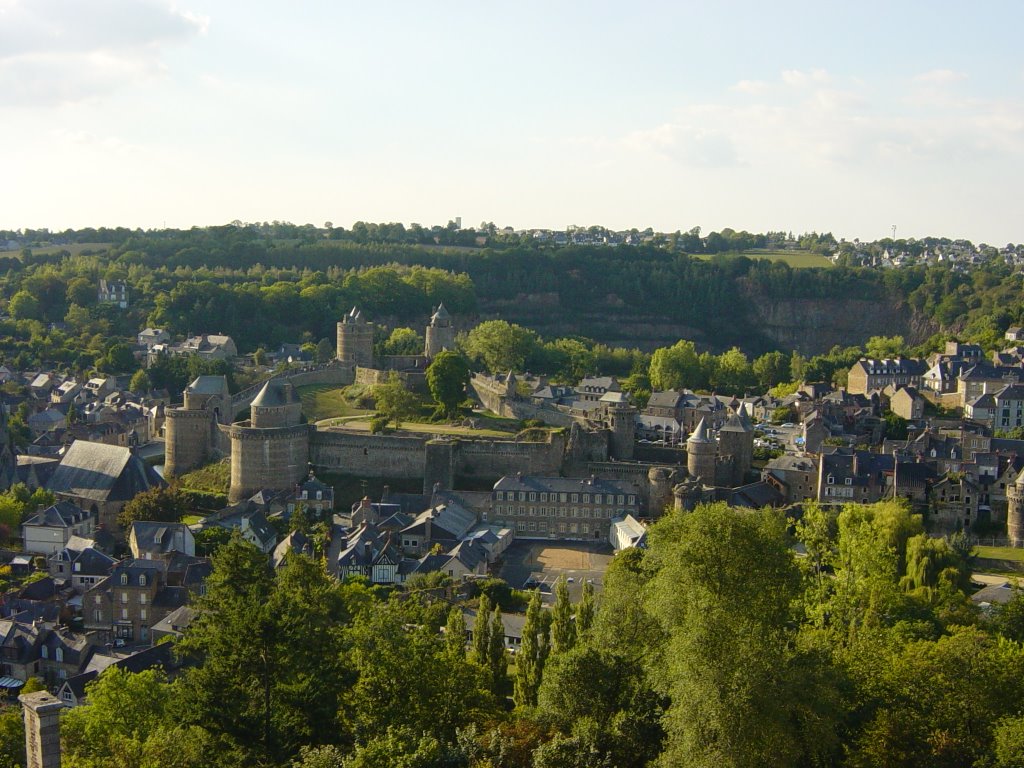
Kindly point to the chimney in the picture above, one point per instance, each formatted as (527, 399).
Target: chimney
(42, 711)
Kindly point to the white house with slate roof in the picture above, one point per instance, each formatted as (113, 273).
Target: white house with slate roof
(49, 530)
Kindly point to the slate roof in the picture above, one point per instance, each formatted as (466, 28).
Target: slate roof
(63, 514)
(563, 484)
(101, 472)
(209, 385)
(275, 394)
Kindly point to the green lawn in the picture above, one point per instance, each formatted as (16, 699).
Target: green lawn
(192, 519)
(1002, 561)
(797, 259)
(326, 401)
(1014, 554)
(363, 424)
(213, 478)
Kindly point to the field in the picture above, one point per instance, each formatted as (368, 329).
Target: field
(1006, 561)
(73, 248)
(325, 401)
(430, 428)
(797, 259)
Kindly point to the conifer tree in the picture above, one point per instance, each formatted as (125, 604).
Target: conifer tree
(497, 662)
(455, 634)
(482, 632)
(528, 658)
(563, 631)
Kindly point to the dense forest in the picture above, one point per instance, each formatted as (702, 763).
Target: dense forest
(715, 646)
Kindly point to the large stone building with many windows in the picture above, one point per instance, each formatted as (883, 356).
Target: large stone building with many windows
(562, 507)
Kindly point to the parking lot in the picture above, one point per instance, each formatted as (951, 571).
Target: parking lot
(540, 563)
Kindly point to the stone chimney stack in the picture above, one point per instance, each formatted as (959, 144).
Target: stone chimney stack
(42, 729)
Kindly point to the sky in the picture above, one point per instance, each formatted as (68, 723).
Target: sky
(813, 116)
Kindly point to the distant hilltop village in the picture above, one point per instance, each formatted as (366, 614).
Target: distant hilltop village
(274, 449)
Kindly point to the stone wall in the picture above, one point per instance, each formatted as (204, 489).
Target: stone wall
(187, 440)
(491, 395)
(488, 459)
(267, 458)
(366, 455)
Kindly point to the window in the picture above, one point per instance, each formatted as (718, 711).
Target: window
(622, 499)
(142, 614)
(586, 498)
(563, 497)
(97, 615)
(522, 495)
(632, 500)
(520, 525)
(124, 578)
(543, 496)
(59, 655)
(44, 652)
(533, 495)
(124, 614)
(142, 598)
(575, 497)
(142, 579)
(849, 481)
(597, 498)
(831, 479)
(98, 599)
(573, 512)
(533, 525)
(124, 597)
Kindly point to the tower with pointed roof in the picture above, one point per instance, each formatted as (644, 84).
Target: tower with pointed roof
(440, 333)
(700, 454)
(1015, 511)
(355, 339)
(736, 444)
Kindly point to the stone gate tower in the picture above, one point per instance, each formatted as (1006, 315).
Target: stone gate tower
(355, 339)
(440, 333)
(736, 440)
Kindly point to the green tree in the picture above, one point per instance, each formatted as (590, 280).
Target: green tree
(455, 633)
(740, 692)
(12, 738)
(771, 368)
(500, 346)
(118, 359)
(403, 341)
(447, 377)
(529, 662)
(497, 660)
(393, 400)
(882, 347)
(733, 372)
(482, 632)
(585, 610)
(24, 306)
(161, 504)
(676, 367)
(140, 383)
(325, 351)
(563, 629)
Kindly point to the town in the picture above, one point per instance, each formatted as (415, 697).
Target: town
(527, 484)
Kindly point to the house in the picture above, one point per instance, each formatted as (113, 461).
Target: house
(123, 606)
(796, 477)
(908, 403)
(113, 292)
(42, 422)
(626, 532)
(173, 624)
(854, 476)
(65, 393)
(1008, 412)
(1014, 333)
(62, 655)
(560, 507)
(81, 562)
(151, 540)
(99, 387)
(593, 388)
(982, 378)
(150, 337)
(868, 374)
(981, 408)
(249, 519)
(314, 496)
(49, 530)
(444, 524)
(296, 541)
(160, 656)
(372, 553)
(102, 478)
(954, 503)
(209, 346)
(512, 624)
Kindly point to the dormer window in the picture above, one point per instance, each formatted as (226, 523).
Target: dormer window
(124, 579)
(142, 580)
(59, 654)
(849, 481)
(830, 480)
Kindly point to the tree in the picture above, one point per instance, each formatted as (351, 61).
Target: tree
(771, 368)
(733, 372)
(882, 347)
(118, 359)
(585, 610)
(402, 341)
(529, 661)
(161, 504)
(482, 632)
(676, 367)
(497, 661)
(140, 383)
(12, 738)
(563, 630)
(447, 377)
(455, 633)
(393, 400)
(500, 346)
(739, 690)
(24, 306)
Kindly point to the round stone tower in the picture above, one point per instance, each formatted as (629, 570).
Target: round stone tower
(355, 339)
(1015, 511)
(621, 417)
(736, 439)
(700, 454)
(191, 432)
(440, 333)
(271, 450)
(659, 480)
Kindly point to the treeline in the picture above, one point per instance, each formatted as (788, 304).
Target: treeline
(715, 646)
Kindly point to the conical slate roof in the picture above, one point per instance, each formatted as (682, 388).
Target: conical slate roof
(276, 393)
(700, 434)
(440, 314)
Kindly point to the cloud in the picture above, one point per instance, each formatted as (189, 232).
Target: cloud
(812, 123)
(63, 51)
(940, 77)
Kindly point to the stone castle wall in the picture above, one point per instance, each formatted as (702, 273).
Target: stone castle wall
(492, 396)
(187, 437)
(366, 455)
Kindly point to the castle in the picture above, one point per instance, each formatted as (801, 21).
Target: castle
(273, 448)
